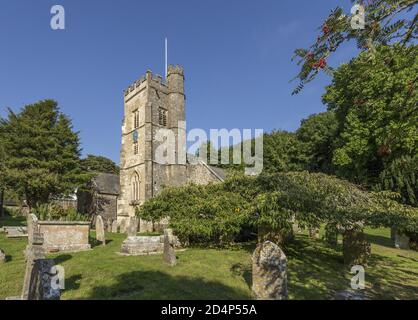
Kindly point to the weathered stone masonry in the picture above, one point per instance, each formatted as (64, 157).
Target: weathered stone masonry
(151, 104)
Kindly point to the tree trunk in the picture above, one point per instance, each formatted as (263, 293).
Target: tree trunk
(1, 203)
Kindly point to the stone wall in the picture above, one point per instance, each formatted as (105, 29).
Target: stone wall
(144, 99)
(65, 236)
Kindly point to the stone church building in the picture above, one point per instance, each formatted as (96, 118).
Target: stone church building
(151, 104)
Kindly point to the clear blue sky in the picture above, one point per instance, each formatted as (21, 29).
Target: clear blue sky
(236, 54)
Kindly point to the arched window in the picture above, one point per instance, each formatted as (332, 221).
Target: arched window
(135, 186)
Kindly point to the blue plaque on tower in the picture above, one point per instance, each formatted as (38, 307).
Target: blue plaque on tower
(135, 136)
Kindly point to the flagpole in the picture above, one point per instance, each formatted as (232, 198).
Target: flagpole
(166, 58)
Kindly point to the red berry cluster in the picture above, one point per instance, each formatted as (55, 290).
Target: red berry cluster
(325, 29)
(321, 63)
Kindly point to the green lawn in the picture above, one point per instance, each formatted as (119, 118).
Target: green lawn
(315, 272)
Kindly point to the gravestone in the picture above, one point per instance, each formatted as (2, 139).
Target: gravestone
(169, 245)
(100, 230)
(356, 249)
(16, 232)
(401, 241)
(132, 228)
(33, 227)
(122, 227)
(115, 226)
(39, 278)
(269, 272)
(43, 278)
(2, 257)
(109, 225)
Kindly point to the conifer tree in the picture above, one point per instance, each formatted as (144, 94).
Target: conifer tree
(41, 153)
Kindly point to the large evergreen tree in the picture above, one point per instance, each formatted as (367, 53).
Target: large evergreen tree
(101, 164)
(42, 153)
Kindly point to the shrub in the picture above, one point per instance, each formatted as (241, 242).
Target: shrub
(52, 212)
(217, 213)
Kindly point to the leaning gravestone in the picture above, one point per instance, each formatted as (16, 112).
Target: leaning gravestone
(115, 226)
(39, 278)
(169, 244)
(2, 257)
(100, 230)
(269, 272)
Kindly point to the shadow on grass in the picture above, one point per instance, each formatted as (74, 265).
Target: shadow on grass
(62, 258)
(241, 270)
(315, 271)
(158, 285)
(380, 240)
(96, 243)
(9, 221)
(389, 280)
(73, 283)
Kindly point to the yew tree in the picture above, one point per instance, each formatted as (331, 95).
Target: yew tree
(41, 153)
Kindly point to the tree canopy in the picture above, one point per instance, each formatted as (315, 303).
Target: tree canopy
(385, 22)
(217, 213)
(374, 99)
(41, 153)
(101, 164)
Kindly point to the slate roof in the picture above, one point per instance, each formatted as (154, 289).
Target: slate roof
(107, 183)
(220, 173)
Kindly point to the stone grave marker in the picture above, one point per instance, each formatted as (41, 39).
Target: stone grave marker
(115, 226)
(16, 232)
(39, 278)
(401, 241)
(100, 230)
(109, 225)
(269, 272)
(122, 226)
(132, 228)
(2, 257)
(169, 245)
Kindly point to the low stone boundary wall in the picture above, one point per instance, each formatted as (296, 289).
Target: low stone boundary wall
(65, 235)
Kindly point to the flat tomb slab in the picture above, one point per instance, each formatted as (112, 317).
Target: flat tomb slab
(66, 236)
(143, 245)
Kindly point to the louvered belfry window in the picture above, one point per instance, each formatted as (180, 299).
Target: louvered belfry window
(136, 119)
(162, 117)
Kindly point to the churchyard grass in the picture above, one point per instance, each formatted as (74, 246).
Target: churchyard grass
(314, 270)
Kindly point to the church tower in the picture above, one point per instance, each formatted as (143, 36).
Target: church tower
(151, 104)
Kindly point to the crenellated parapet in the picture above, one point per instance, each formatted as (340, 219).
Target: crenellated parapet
(155, 80)
(177, 69)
